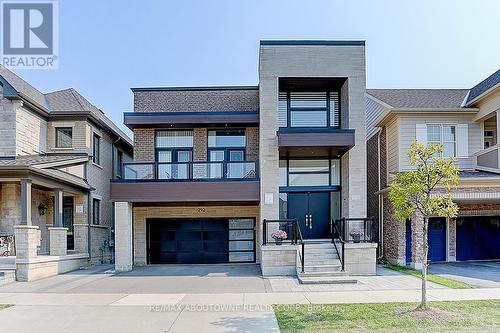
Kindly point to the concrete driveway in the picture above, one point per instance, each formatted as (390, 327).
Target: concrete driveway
(477, 274)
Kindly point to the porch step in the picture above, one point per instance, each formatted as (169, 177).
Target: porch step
(322, 268)
(325, 278)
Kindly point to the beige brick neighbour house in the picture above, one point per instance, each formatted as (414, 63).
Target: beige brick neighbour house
(217, 170)
(57, 154)
(466, 122)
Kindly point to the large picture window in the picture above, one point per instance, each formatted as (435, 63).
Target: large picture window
(309, 172)
(308, 109)
(443, 135)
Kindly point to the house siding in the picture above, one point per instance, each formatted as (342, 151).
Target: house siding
(373, 111)
(407, 132)
(393, 144)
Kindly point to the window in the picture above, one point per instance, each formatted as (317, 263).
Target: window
(174, 153)
(308, 109)
(310, 172)
(96, 158)
(119, 163)
(96, 211)
(226, 138)
(443, 135)
(64, 137)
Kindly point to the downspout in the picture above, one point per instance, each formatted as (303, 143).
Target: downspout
(89, 220)
(380, 200)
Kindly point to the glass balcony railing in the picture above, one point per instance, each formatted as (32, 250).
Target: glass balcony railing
(191, 171)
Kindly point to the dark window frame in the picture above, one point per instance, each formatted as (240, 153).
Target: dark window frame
(96, 218)
(96, 156)
(227, 150)
(119, 163)
(327, 109)
(57, 130)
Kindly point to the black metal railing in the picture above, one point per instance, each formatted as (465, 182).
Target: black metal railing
(337, 235)
(293, 233)
(197, 171)
(353, 230)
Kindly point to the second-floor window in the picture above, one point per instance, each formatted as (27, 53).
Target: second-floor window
(119, 163)
(96, 156)
(308, 109)
(443, 135)
(64, 137)
(228, 146)
(174, 152)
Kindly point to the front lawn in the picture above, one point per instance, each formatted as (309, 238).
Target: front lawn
(431, 277)
(460, 316)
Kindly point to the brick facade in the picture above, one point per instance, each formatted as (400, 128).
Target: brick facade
(252, 149)
(144, 144)
(196, 100)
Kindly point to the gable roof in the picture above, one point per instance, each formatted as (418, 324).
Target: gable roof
(420, 98)
(70, 100)
(57, 102)
(23, 87)
(483, 87)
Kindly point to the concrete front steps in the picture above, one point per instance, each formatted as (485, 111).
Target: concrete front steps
(322, 265)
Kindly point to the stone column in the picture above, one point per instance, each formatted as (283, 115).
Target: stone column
(58, 241)
(26, 202)
(80, 224)
(27, 241)
(123, 236)
(58, 208)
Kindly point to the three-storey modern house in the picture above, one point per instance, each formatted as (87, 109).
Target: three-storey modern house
(466, 123)
(215, 167)
(57, 154)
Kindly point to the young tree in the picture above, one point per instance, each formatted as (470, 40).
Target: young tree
(413, 192)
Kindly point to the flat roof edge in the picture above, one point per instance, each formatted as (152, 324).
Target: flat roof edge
(200, 88)
(314, 42)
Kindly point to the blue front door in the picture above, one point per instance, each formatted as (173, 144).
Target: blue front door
(437, 239)
(312, 211)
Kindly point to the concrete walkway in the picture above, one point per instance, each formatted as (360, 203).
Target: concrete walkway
(206, 299)
(480, 274)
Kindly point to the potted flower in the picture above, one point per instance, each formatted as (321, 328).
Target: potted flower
(356, 235)
(278, 236)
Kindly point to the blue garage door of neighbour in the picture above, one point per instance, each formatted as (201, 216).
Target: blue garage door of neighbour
(478, 238)
(437, 239)
(408, 241)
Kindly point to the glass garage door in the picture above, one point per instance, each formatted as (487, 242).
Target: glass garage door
(200, 241)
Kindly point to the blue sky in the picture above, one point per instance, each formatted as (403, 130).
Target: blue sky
(108, 46)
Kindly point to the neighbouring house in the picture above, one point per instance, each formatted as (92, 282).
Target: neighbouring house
(57, 154)
(217, 170)
(467, 123)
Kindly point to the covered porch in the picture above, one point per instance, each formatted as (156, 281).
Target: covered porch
(43, 222)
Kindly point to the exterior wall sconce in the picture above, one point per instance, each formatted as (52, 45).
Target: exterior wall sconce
(42, 209)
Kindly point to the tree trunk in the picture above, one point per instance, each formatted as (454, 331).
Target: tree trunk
(425, 246)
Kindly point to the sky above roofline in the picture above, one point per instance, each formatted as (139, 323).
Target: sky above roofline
(424, 44)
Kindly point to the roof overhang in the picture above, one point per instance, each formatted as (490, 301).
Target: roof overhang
(180, 119)
(315, 142)
(389, 114)
(44, 177)
(185, 192)
(483, 95)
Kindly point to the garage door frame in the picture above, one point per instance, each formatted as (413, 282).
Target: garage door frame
(202, 238)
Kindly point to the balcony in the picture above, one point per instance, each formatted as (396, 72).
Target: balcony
(488, 159)
(188, 182)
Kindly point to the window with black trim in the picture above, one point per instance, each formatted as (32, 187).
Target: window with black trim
(309, 172)
(96, 156)
(309, 109)
(96, 211)
(174, 153)
(119, 163)
(64, 137)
